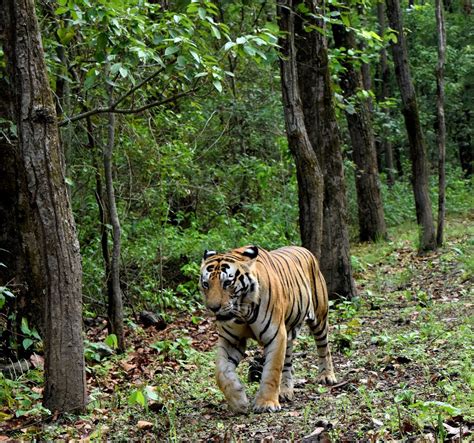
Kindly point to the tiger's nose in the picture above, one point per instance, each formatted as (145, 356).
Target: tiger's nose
(214, 308)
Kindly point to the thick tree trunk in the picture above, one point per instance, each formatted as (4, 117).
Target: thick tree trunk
(14, 267)
(369, 201)
(385, 146)
(115, 302)
(416, 139)
(309, 175)
(320, 120)
(53, 248)
(441, 130)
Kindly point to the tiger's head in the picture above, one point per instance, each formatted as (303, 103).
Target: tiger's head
(228, 281)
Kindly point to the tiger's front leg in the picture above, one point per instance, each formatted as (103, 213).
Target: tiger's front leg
(229, 356)
(267, 396)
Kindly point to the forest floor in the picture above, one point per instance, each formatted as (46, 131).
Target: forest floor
(403, 353)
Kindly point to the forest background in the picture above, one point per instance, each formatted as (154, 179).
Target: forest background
(196, 157)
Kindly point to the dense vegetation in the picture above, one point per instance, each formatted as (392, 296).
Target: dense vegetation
(201, 161)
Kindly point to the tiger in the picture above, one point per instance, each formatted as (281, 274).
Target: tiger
(266, 296)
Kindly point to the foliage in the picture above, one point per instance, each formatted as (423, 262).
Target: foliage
(21, 397)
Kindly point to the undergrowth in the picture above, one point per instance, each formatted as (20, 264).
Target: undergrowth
(403, 352)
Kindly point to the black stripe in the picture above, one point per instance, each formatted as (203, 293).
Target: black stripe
(270, 342)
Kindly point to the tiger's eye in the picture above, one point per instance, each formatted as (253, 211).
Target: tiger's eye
(205, 285)
(226, 284)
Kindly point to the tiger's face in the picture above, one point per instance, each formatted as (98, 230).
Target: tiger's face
(227, 282)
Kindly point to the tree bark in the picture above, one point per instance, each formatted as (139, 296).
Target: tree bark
(369, 201)
(309, 175)
(115, 302)
(320, 120)
(51, 244)
(15, 269)
(441, 126)
(416, 139)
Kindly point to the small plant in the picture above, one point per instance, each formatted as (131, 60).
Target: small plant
(22, 397)
(32, 336)
(143, 396)
(98, 351)
(4, 292)
(180, 349)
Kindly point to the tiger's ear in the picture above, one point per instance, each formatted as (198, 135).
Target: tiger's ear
(208, 254)
(250, 252)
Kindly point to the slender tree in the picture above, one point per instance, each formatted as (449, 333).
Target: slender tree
(320, 120)
(369, 200)
(416, 138)
(115, 302)
(383, 92)
(309, 175)
(441, 132)
(50, 241)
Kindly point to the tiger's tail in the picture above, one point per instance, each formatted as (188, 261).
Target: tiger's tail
(319, 327)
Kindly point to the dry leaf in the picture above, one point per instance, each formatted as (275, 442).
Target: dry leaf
(142, 424)
(126, 366)
(313, 434)
(37, 361)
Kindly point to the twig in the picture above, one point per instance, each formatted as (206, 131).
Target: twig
(111, 108)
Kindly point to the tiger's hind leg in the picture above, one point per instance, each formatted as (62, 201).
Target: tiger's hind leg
(319, 330)
(287, 385)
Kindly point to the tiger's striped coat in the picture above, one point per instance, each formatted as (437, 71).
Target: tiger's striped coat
(266, 296)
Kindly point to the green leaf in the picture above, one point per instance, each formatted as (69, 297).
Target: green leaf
(250, 50)
(229, 45)
(345, 19)
(111, 341)
(202, 13)
(5, 291)
(218, 85)
(137, 397)
(170, 50)
(65, 35)
(27, 342)
(24, 326)
(195, 56)
(216, 32)
(181, 60)
(61, 10)
(151, 393)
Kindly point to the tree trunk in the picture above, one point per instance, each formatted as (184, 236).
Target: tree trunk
(102, 207)
(369, 201)
(309, 175)
(416, 139)
(115, 302)
(53, 248)
(441, 129)
(385, 146)
(15, 270)
(320, 120)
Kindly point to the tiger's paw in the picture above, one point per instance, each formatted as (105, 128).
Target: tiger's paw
(327, 377)
(239, 405)
(266, 406)
(286, 394)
